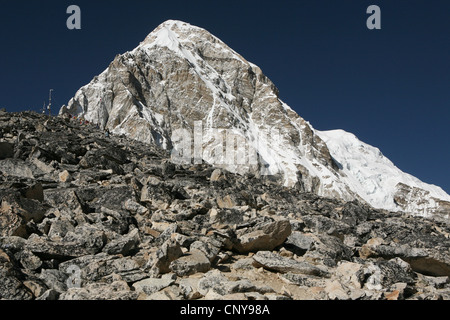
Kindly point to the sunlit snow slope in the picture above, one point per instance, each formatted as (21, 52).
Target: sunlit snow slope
(375, 178)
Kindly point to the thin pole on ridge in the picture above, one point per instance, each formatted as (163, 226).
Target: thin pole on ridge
(50, 103)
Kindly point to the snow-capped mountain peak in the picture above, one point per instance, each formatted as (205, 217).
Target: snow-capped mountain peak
(182, 79)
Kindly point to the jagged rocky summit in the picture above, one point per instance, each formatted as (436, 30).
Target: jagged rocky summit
(85, 216)
(183, 79)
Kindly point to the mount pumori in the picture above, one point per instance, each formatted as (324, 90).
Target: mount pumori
(181, 78)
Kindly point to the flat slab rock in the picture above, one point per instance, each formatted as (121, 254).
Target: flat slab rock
(275, 262)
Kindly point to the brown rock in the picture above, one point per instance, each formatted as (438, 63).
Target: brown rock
(217, 175)
(368, 249)
(335, 291)
(16, 212)
(394, 295)
(65, 176)
(226, 202)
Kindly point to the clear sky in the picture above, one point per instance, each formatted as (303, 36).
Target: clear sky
(390, 87)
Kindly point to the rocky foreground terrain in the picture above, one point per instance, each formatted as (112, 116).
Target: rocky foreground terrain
(84, 216)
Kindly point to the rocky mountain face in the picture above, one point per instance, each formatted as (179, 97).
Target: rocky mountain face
(85, 216)
(184, 89)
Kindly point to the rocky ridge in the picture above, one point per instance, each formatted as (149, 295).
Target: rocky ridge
(84, 216)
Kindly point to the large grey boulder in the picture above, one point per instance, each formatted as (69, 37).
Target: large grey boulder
(265, 236)
(192, 262)
(124, 245)
(16, 168)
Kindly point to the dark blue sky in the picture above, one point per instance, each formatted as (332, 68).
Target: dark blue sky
(390, 87)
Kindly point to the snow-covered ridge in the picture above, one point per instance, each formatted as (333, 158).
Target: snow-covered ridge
(369, 173)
